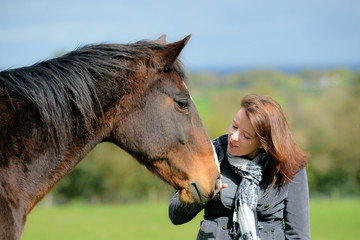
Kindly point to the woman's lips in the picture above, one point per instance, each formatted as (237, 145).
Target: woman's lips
(231, 145)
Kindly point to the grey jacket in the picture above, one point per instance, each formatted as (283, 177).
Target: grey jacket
(283, 212)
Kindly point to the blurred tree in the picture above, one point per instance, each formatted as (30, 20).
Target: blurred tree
(322, 108)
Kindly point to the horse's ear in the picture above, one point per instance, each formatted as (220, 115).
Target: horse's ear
(161, 39)
(171, 52)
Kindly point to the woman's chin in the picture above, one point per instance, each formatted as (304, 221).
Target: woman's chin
(232, 152)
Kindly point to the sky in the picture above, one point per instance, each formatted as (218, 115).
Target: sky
(226, 34)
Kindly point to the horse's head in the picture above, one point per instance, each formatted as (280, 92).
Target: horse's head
(162, 128)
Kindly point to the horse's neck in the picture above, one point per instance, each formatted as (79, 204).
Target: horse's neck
(29, 176)
(59, 165)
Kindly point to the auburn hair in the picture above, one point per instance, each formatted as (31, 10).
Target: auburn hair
(272, 129)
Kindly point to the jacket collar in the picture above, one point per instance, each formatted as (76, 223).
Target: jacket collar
(220, 145)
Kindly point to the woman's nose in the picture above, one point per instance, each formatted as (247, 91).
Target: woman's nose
(235, 136)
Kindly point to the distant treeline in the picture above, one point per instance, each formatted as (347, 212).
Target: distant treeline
(322, 108)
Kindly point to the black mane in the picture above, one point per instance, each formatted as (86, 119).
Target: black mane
(64, 85)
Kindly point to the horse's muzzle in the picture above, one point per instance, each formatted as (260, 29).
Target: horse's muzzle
(199, 195)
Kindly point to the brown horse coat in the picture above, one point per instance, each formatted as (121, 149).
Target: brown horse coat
(134, 95)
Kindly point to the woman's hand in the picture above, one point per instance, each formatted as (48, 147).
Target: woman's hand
(223, 185)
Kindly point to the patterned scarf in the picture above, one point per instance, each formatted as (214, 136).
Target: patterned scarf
(245, 224)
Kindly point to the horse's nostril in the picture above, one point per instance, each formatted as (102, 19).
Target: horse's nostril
(195, 191)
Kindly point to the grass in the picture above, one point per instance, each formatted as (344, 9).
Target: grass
(330, 219)
(105, 222)
(335, 219)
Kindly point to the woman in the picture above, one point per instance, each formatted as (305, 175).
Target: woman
(265, 191)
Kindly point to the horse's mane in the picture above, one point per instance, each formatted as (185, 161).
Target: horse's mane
(64, 85)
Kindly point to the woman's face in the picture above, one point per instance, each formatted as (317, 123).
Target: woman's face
(242, 140)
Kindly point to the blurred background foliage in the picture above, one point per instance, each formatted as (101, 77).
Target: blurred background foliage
(322, 107)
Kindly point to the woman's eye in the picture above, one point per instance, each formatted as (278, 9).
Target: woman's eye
(234, 127)
(247, 137)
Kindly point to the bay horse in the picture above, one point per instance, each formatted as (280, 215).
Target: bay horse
(134, 95)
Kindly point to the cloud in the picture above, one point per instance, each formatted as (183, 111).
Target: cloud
(225, 33)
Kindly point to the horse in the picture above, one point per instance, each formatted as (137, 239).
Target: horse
(134, 95)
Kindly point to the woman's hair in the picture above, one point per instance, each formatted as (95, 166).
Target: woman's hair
(271, 127)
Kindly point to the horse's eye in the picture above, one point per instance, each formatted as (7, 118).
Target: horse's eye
(182, 106)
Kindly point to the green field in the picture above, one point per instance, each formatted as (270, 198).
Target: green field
(330, 219)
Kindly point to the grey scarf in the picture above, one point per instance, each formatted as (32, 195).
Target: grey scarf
(245, 225)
